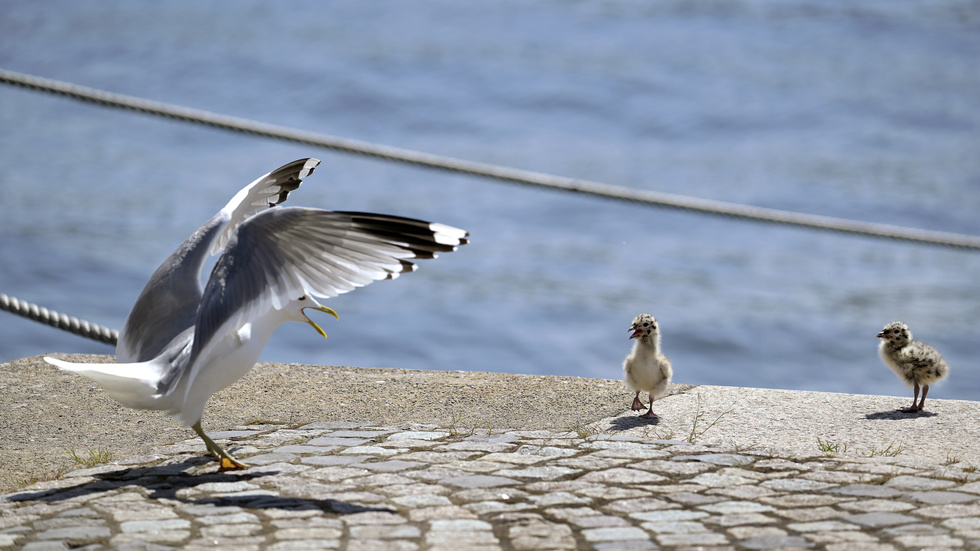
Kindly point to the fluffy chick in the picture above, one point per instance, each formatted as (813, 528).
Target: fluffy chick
(915, 362)
(647, 369)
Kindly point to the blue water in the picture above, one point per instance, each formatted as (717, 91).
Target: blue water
(868, 111)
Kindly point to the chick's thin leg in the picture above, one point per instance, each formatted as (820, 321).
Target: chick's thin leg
(637, 404)
(915, 398)
(922, 402)
(650, 414)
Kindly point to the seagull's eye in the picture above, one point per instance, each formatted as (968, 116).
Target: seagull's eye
(302, 298)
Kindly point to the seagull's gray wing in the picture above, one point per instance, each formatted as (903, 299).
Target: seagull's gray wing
(282, 254)
(169, 303)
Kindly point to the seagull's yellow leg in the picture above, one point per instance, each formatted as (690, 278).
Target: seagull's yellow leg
(228, 462)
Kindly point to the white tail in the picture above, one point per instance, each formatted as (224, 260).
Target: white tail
(133, 384)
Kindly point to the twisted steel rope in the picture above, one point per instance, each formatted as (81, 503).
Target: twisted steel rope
(61, 321)
(524, 177)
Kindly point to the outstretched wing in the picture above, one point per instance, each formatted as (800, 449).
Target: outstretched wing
(168, 304)
(282, 254)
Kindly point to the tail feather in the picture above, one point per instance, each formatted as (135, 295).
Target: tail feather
(131, 384)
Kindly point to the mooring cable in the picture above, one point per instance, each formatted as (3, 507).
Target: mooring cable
(513, 175)
(40, 314)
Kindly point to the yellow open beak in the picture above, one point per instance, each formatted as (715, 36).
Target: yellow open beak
(322, 309)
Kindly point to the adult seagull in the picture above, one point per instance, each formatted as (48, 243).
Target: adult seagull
(183, 342)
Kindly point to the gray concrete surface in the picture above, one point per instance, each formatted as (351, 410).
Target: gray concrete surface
(393, 459)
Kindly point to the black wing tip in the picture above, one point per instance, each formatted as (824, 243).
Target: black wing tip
(290, 175)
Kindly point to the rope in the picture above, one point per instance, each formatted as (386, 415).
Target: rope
(512, 175)
(61, 321)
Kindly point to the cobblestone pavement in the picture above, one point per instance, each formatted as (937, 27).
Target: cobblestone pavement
(362, 487)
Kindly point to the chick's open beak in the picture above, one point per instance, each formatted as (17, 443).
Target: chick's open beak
(636, 332)
(881, 335)
(321, 309)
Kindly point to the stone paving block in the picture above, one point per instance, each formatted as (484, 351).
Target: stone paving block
(230, 530)
(391, 465)
(962, 524)
(737, 519)
(691, 540)
(336, 442)
(675, 527)
(275, 457)
(45, 546)
(748, 532)
(419, 435)
(304, 545)
(637, 504)
(865, 490)
(440, 512)
(479, 481)
(461, 539)
(618, 533)
(731, 507)
(309, 533)
(591, 462)
(694, 499)
(725, 459)
(877, 520)
(76, 535)
(558, 498)
(438, 456)
(478, 446)
(715, 480)
(971, 487)
(775, 542)
(514, 457)
(598, 521)
(335, 460)
(304, 449)
(841, 477)
(918, 483)
(546, 472)
(549, 451)
(930, 541)
(385, 531)
(941, 498)
(795, 485)
(620, 475)
(949, 511)
(569, 513)
(629, 545)
(877, 505)
(670, 515)
(840, 537)
(858, 546)
(822, 526)
(671, 467)
(744, 492)
(809, 514)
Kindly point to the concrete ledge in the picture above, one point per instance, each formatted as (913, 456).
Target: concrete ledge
(48, 413)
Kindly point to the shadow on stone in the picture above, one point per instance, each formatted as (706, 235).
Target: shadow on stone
(633, 421)
(898, 414)
(166, 481)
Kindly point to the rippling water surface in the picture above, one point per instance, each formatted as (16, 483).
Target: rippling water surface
(868, 111)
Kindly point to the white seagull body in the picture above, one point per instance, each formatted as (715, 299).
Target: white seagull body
(183, 342)
(646, 368)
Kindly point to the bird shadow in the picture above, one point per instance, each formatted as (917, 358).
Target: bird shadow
(894, 414)
(167, 482)
(633, 421)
